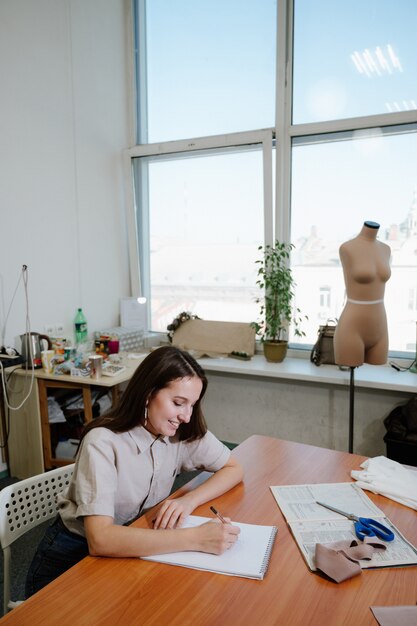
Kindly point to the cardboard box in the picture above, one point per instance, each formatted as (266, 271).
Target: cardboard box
(214, 338)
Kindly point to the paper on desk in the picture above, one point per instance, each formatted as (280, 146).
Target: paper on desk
(395, 615)
(299, 502)
(248, 557)
(311, 523)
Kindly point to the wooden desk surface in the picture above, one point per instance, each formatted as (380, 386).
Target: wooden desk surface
(104, 381)
(101, 591)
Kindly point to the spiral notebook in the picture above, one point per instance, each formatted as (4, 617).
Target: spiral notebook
(249, 557)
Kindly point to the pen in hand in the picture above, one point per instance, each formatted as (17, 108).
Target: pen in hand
(221, 518)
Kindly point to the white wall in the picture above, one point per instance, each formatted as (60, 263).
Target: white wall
(237, 407)
(64, 121)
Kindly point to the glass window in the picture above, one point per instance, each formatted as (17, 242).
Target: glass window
(338, 182)
(341, 78)
(210, 67)
(324, 302)
(206, 221)
(412, 299)
(353, 58)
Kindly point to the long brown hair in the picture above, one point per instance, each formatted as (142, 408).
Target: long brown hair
(156, 371)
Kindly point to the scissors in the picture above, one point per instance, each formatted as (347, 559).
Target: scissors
(364, 526)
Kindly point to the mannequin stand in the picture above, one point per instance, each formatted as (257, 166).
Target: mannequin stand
(351, 407)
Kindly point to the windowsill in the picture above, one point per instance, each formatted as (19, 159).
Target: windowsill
(299, 369)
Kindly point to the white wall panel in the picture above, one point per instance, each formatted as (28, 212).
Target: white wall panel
(63, 127)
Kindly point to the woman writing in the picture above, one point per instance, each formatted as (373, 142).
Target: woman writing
(127, 463)
(361, 335)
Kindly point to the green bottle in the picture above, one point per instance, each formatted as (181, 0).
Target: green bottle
(80, 324)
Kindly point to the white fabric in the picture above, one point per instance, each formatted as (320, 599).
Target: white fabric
(388, 478)
(55, 413)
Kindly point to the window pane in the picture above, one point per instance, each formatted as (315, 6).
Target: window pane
(210, 67)
(205, 224)
(353, 58)
(336, 186)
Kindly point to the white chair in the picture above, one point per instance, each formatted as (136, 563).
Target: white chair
(23, 506)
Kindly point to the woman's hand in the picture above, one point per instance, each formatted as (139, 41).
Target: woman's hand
(108, 539)
(216, 537)
(172, 513)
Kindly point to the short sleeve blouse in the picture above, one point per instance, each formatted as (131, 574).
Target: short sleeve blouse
(121, 475)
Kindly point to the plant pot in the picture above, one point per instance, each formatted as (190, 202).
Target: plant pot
(275, 351)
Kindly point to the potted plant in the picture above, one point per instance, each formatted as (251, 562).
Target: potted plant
(276, 311)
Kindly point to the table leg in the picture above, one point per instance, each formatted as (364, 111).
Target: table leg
(46, 433)
(4, 431)
(88, 407)
(115, 395)
(43, 384)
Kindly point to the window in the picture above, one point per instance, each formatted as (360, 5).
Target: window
(338, 181)
(412, 299)
(236, 149)
(206, 220)
(324, 302)
(324, 298)
(353, 59)
(207, 67)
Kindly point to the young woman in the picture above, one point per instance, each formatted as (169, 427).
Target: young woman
(361, 335)
(127, 463)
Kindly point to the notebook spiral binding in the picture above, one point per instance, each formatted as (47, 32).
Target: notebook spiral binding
(267, 556)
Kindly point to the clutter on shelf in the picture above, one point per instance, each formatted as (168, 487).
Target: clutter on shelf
(130, 339)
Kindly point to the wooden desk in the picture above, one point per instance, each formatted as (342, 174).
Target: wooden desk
(104, 591)
(30, 450)
(46, 382)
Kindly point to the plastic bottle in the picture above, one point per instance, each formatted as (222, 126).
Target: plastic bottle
(80, 324)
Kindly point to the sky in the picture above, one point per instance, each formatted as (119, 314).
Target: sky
(211, 64)
(211, 70)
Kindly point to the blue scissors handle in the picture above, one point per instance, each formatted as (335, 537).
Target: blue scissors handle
(368, 527)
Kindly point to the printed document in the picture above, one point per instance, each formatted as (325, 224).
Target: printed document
(311, 523)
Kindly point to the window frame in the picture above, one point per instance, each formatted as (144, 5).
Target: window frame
(139, 250)
(280, 138)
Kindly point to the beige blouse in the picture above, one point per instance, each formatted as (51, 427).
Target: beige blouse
(121, 475)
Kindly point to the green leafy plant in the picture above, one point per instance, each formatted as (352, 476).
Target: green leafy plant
(276, 280)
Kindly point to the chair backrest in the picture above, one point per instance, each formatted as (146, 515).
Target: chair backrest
(29, 502)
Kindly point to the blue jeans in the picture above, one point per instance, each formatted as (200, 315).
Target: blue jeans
(58, 551)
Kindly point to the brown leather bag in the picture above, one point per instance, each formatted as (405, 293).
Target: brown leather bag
(323, 350)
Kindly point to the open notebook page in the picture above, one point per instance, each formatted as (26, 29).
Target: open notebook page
(249, 557)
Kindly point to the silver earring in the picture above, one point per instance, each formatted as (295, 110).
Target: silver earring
(146, 415)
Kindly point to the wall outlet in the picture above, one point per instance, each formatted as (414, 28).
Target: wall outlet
(59, 329)
(50, 330)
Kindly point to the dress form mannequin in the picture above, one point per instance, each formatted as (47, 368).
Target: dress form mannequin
(361, 335)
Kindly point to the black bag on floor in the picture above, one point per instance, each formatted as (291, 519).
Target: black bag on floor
(401, 435)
